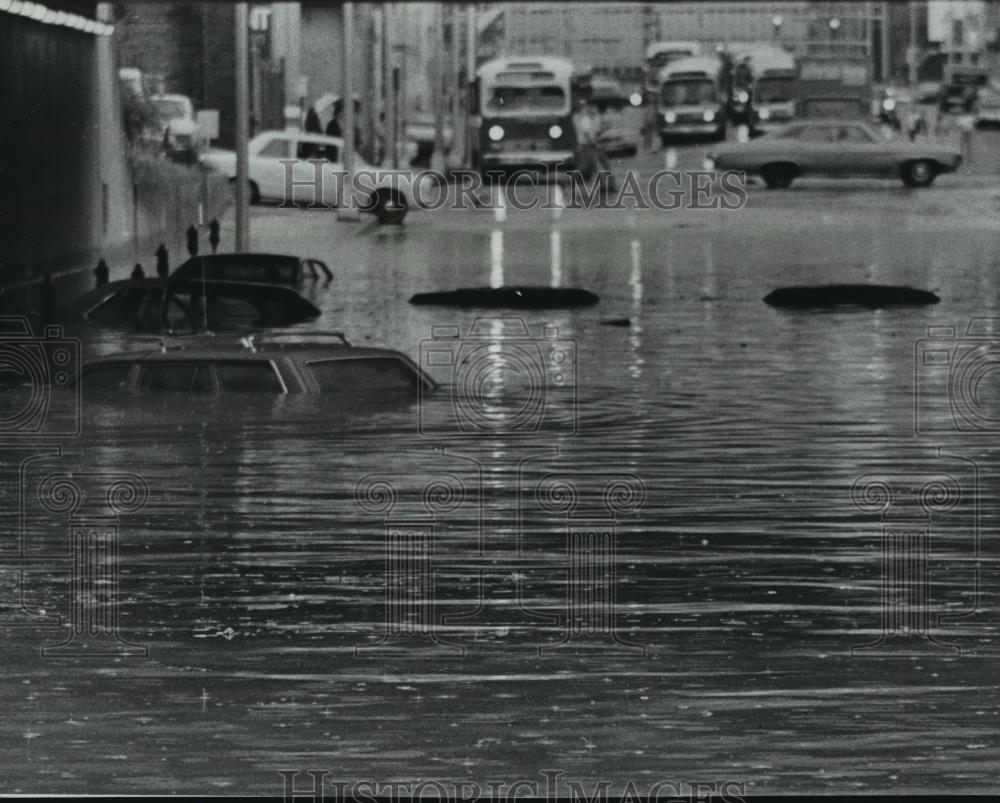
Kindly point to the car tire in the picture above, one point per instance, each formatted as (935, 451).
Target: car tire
(778, 176)
(919, 173)
(388, 206)
(254, 191)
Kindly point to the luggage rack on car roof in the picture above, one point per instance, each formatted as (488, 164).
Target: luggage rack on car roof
(290, 338)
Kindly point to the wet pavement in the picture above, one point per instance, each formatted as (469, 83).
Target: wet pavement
(712, 462)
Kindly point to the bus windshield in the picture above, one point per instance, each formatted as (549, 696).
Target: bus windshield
(533, 98)
(775, 90)
(688, 93)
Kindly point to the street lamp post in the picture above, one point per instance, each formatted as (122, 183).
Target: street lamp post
(776, 22)
(834, 30)
(241, 22)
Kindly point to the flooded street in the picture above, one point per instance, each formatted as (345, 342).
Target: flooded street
(718, 447)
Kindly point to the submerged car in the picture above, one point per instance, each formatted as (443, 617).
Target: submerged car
(155, 305)
(835, 148)
(272, 367)
(298, 167)
(253, 267)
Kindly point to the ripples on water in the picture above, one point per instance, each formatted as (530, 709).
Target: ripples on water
(253, 573)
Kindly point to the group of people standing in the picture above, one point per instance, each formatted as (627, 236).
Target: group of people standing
(335, 128)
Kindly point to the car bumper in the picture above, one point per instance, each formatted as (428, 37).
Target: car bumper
(515, 158)
(690, 128)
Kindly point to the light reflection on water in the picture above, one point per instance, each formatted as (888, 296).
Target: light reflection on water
(748, 575)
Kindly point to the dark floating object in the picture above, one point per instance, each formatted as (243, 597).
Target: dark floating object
(871, 296)
(509, 297)
(617, 322)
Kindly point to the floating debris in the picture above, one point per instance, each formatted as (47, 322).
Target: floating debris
(509, 297)
(871, 296)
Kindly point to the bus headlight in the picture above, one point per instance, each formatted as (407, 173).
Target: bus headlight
(496, 133)
(635, 99)
(764, 114)
(708, 116)
(669, 117)
(555, 132)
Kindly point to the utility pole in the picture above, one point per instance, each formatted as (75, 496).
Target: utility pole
(377, 106)
(470, 85)
(437, 91)
(911, 61)
(389, 85)
(455, 91)
(242, 126)
(886, 65)
(347, 210)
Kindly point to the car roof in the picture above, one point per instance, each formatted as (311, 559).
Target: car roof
(244, 258)
(213, 287)
(198, 351)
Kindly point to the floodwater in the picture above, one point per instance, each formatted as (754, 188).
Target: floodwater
(714, 442)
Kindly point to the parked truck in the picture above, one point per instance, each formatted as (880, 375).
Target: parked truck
(834, 88)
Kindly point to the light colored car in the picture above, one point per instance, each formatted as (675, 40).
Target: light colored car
(270, 367)
(296, 167)
(836, 148)
(179, 126)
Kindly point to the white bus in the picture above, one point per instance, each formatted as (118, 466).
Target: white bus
(765, 88)
(690, 98)
(660, 54)
(526, 113)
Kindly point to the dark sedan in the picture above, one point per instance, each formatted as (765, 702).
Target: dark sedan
(180, 305)
(253, 267)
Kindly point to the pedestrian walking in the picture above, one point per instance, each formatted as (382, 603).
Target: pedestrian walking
(213, 235)
(138, 272)
(162, 262)
(102, 273)
(313, 125)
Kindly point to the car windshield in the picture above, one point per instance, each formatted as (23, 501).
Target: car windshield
(534, 98)
(688, 93)
(775, 90)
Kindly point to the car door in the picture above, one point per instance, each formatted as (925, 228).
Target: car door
(860, 152)
(314, 171)
(266, 168)
(813, 149)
